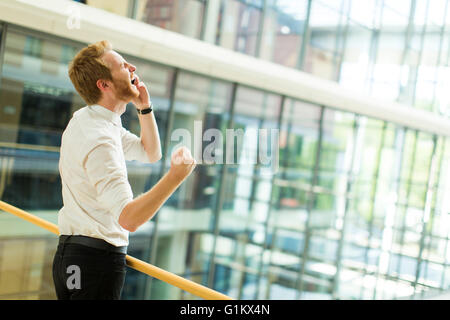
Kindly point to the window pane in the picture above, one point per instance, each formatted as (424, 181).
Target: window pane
(283, 32)
(247, 187)
(388, 73)
(183, 16)
(355, 67)
(238, 26)
(201, 115)
(326, 30)
(120, 7)
(36, 101)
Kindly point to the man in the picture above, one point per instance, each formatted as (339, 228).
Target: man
(99, 210)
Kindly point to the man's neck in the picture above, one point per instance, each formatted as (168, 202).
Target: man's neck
(118, 107)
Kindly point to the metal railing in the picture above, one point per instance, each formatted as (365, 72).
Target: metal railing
(139, 265)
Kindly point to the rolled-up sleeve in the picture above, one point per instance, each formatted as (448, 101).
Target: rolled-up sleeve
(109, 177)
(133, 149)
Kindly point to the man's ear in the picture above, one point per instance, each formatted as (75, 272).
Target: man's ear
(102, 84)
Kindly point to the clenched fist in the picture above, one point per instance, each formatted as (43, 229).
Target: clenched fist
(182, 163)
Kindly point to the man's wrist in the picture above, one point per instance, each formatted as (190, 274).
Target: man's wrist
(174, 177)
(144, 109)
(144, 106)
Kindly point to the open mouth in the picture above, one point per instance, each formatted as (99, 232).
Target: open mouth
(133, 81)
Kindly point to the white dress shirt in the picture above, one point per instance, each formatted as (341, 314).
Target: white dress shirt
(94, 179)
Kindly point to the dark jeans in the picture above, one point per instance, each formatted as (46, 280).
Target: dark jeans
(85, 273)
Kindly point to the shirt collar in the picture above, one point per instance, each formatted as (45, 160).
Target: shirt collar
(107, 114)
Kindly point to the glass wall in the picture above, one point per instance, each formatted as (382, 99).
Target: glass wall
(327, 30)
(395, 49)
(36, 101)
(183, 16)
(159, 79)
(291, 199)
(239, 24)
(199, 118)
(119, 7)
(345, 207)
(283, 33)
(245, 204)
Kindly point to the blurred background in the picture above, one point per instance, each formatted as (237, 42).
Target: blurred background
(359, 206)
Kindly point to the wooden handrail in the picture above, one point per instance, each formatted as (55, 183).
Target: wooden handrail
(139, 265)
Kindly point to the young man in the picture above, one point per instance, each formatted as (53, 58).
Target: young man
(99, 210)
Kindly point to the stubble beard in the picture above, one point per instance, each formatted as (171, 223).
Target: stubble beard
(124, 90)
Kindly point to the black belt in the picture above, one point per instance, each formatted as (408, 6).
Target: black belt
(92, 242)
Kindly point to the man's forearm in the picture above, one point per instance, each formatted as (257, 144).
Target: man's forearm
(144, 207)
(150, 136)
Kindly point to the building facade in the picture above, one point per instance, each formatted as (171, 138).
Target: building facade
(356, 206)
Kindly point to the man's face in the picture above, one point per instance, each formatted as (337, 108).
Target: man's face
(122, 73)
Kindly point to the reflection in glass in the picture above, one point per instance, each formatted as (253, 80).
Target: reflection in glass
(284, 24)
(238, 25)
(247, 189)
(323, 50)
(201, 105)
(183, 16)
(357, 208)
(120, 7)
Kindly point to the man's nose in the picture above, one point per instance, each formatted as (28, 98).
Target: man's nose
(132, 68)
